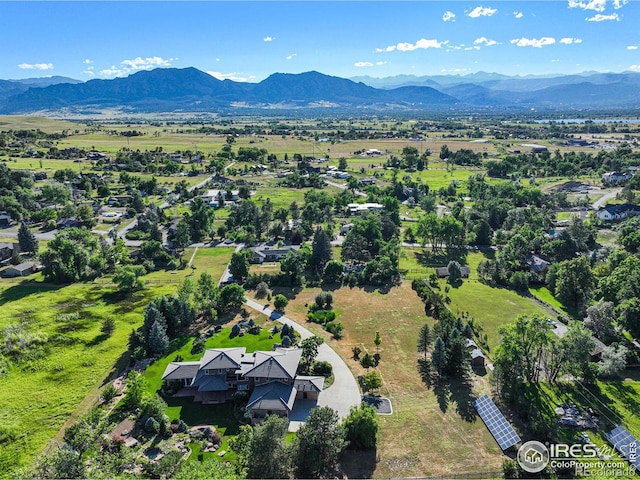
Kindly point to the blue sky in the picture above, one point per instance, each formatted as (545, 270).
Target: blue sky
(248, 41)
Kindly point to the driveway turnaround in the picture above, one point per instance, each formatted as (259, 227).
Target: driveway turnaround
(344, 393)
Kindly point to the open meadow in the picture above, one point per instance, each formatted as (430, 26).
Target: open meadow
(412, 440)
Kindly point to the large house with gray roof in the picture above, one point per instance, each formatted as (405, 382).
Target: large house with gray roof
(269, 376)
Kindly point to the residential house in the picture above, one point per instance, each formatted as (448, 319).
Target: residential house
(618, 212)
(266, 253)
(367, 181)
(478, 358)
(578, 142)
(22, 270)
(538, 265)
(39, 176)
(67, 223)
(212, 197)
(6, 250)
(364, 207)
(269, 376)
(120, 199)
(616, 178)
(372, 152)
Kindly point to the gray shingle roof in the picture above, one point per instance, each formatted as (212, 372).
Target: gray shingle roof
(180, 370)
(272, 396)
(309, 384)
(281, 363)
(210, 383)
(225, 358)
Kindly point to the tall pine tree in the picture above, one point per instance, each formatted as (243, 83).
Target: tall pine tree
(27, 240)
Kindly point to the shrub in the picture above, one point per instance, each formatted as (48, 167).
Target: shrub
(519, 281)
(262, 289)
(356, 352)
(321, 316)
(254, 329)
(182, 427)
(151, 425)
(235, 330)
(335, 329)
(198, 344)
(322, 368)
(108, 326)
(109, 393)
(286, 341)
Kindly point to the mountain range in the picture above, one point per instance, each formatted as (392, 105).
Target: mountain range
(191, 90)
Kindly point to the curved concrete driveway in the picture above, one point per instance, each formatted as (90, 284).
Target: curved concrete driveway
(344, 392)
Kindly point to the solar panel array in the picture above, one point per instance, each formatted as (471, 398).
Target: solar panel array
(504, 433)
(626, 444)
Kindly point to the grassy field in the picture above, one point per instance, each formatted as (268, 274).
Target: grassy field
(412, 440)
(43, 390)
(490, 307)
(54, 382)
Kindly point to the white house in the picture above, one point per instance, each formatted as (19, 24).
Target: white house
(212, 196)
(364, 207)
(618, 212)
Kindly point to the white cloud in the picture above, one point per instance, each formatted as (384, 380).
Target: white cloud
(87, 61)
(533, 42)
(453, 70)
(448, 17)
(291, 56)
(422, 44)
(596, 5)
(518, 14)
(632, 47)
(603, 18)
(217, 59)
(617, 4)
(484, 41)
(569, 40)
(36, 66)
(634, 67)
(476, 47)
(134, 65)
(268, 39)
(89, 71)
(363, 64)
(555, 60)
(482, 12)
(381, 63)
(235, 76)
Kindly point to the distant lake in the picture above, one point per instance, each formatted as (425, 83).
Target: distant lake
(594, 120)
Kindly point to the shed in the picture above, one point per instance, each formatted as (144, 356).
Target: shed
(22, 270)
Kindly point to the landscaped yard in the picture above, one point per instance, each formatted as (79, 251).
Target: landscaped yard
(193, 413)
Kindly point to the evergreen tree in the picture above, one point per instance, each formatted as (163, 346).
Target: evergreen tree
(151, 315)
(321, 440)
(27, 240)
(158, 341)
(439, 356)
(321, 252)
(239, 266)
(424, 339)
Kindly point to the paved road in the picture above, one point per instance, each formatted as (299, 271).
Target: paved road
(605, 198)
(343, 186)
(344, 393)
